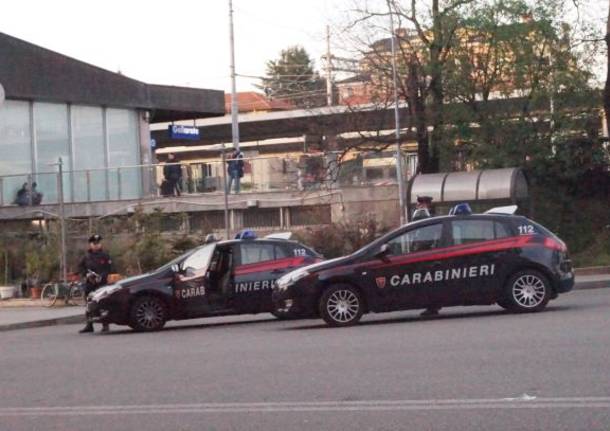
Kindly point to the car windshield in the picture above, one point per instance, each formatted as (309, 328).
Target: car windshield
(181, 258)
(200, 259)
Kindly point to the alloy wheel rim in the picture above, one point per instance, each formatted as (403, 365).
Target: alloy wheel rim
(343, 305)
(529, 291)
(149, 314)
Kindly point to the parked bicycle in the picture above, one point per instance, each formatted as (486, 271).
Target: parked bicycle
(73, 293)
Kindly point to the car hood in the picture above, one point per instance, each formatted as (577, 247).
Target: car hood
(130, 281)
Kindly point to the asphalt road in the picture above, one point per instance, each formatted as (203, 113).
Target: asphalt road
(473, 368)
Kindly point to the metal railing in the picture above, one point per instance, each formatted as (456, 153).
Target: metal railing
(260, 174)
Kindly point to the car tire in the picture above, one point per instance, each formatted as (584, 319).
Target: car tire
(341, 305)
(147, 313)
(526, 291)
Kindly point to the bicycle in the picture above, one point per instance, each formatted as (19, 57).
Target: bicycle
(73, 292)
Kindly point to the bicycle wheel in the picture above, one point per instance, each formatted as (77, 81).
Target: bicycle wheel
(77, 295)
(49, 295)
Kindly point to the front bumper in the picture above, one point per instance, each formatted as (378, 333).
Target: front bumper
(565, 283)
(95, 313)
(298, 305)
(108, 310)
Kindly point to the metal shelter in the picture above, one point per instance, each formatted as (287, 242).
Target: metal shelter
(481, 188)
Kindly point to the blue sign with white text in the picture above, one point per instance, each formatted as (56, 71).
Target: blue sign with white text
(178, 131)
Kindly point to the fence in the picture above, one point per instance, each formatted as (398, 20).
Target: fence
(261, 174)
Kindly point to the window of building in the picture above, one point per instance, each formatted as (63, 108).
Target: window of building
(89, 153)
(15, 140)
(52, 142)
(123, 150)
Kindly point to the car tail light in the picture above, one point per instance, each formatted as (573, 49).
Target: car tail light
(555, 244)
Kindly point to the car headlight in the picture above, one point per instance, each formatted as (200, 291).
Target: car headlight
(104, 292)
(289, 279)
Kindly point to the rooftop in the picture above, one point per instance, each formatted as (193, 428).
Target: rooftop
(251, 101)
(30, 72)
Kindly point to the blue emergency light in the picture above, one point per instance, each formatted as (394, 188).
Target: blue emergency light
(461, 209)
(246, 234)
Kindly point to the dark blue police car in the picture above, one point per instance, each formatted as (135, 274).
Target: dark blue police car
(220, 278)
(436, 262)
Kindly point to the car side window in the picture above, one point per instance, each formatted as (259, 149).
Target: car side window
(502, 230)
(470, 231)
(254, 253)
(419, 239)
(281, 252)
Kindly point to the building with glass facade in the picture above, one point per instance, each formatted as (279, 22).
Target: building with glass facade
(96, 121)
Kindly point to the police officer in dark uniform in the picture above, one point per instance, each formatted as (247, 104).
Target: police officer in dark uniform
(98, 261)
(424, 209)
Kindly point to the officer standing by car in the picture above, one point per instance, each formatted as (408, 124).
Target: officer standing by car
(423, 209)
(99, 262)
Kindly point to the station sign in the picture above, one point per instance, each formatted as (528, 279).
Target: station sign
(178, 131)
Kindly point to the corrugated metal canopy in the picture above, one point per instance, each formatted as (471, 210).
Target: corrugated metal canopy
(492, 184)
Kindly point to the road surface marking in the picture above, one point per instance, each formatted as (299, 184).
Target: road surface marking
(315, 406)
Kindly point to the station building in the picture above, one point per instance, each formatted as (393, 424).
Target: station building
(95, 120)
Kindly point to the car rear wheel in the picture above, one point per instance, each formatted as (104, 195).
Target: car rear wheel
(147, 313)
(341, 305)
(526, 291)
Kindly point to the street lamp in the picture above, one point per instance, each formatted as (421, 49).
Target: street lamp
(399, 176)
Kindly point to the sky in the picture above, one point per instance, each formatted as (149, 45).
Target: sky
(186, 42)
(179, 42)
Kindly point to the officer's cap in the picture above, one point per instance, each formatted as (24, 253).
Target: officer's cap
(95, 238)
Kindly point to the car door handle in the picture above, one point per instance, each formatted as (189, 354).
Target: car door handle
(278, 271)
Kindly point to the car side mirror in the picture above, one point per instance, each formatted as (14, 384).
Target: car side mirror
(175, 268)
(383, 252)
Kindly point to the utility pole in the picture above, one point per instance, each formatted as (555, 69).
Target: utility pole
(399, 175)
(329, 66)
(234, 106)
(62, 220)
(234, 123)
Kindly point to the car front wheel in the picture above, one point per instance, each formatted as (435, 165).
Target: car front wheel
(341, 305)
(526, 291)
(147, 313)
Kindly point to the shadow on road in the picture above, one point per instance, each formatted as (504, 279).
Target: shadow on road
(445, 315)
(125, 330)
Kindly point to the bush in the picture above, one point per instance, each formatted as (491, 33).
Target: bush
(340, 239)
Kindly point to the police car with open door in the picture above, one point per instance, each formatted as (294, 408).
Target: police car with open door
(219, 278)
(456, 260)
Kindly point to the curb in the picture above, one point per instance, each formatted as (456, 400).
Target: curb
(68, 320)
(592, 285)
(592, 270)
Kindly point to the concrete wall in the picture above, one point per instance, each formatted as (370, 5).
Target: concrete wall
(345, 204)
(380, 202)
